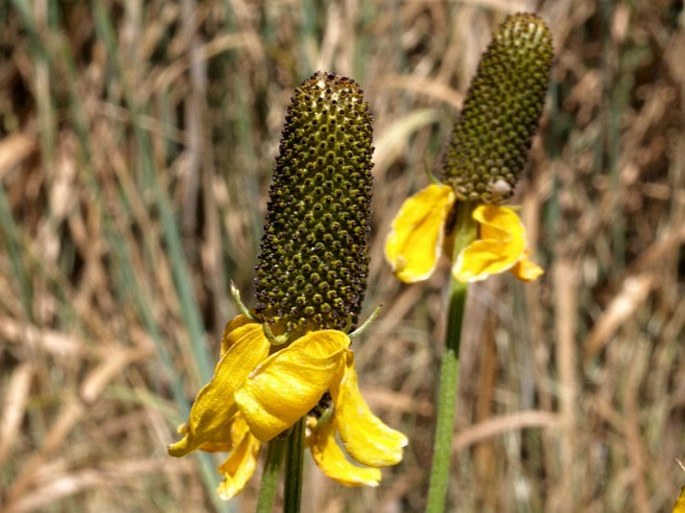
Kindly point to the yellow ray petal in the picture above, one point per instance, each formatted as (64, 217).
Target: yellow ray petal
(214, 407)
(290, 382)
(527, 270)
(332, 461)
(501, 244)
(239, 467)
(414, 243)
(215, 447)
(365, 437)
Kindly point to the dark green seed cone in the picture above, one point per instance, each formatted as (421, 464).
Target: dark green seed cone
(312, 266)
(491, 139)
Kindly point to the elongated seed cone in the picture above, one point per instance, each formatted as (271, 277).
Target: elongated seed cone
(312, 266)
(492, 137)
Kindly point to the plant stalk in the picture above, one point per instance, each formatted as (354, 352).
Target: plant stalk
(272, 470)
(465, 232)
(294, 468)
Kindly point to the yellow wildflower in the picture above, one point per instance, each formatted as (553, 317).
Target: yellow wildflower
(487, 152)
(290, 358)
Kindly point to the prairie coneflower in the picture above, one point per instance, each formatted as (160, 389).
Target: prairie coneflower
(462, 215)
(487, 152)
(288, 364)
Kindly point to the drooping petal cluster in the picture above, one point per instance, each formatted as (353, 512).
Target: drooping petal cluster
(243, 346)
(256, 394)
(418, 232)
(500, 247)
(366, 439)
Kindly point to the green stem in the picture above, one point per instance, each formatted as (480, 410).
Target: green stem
(465, 233)
(293, 469)
(272, 469)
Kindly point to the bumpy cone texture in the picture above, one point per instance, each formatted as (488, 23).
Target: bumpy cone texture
(313, 264)
(492, 137)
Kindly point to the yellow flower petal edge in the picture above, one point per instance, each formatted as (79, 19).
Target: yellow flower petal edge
(207, 446)
(332, 461)
(290, 382)
(527, 270)
(240, 466)
(229, 338)
(210, 416)
(365, 437)
(500, 246)
(679, 506)
(414, 243)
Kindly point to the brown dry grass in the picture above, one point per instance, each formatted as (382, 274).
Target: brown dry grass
(137, 141)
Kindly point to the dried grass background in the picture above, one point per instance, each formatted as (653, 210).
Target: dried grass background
(137, 140)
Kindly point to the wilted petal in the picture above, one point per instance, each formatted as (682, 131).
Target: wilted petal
(332, 461)
(239, 467)
(365, 437)
(290, 382)
(414, 243)
(214, 407)
(501, 244)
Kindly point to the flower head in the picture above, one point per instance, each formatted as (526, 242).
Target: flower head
(291, 357)
(487, 152)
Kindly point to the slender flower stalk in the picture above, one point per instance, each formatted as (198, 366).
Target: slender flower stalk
(461, 215)
(272, 471)
(293, 472)
(449, 369)
(286, 374)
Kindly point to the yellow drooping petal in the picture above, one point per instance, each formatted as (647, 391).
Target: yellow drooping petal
(332, 461)
(210, 417)
(500, 246)
(414, 243)
(290, 382)
(527, 270)
(365, 437)
(240, 465)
